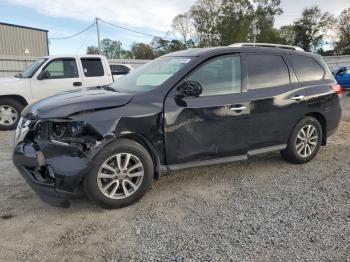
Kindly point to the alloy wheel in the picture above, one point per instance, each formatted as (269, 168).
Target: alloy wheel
(307, 140)
(8, 115)
(120, 176)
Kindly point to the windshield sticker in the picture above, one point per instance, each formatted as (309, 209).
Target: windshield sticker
(180, 60)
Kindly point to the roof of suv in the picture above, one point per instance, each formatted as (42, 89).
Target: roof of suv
(196, 52)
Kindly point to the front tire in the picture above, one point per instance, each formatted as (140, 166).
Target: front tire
(123, 173)
(10, 113)
(304, 141)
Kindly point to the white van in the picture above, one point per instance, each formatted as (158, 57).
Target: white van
(47, 76)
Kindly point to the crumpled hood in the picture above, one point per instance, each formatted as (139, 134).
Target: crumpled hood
(71, 102)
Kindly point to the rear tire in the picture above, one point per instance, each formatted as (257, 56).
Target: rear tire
(304, 141)
(123, 172)
(10, 113)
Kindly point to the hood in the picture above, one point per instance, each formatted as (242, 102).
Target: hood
(71, 102)
(10, 80)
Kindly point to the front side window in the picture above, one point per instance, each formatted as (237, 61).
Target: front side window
(92, 67)
(62, 68)
(306, 68)
(266, 71)
(151, 75)
(219, 76)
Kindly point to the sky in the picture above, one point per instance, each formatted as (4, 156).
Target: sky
(66, 17)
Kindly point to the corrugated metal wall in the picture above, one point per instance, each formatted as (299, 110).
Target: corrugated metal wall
(14, 40)
(334, 61)
(10, 65)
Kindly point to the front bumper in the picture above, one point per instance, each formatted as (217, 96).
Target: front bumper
(55, 172)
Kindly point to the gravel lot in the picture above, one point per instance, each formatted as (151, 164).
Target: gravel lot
(263, 209)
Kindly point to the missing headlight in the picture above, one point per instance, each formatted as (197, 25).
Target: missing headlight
(68, 133)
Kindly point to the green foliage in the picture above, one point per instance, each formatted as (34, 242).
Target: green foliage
(224, 22)
(162, 46)
(205, 19)
(142, 51)
(110, 49)
(92, 50)
(343, 30)
(235, 18)
(309, 29)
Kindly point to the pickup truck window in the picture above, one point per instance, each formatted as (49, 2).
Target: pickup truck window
(151, 75)
(62, 68)
(30, 71)
(92, 67)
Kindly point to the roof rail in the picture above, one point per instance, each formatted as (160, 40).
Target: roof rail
(289, 47)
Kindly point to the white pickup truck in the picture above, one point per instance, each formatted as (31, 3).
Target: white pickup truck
(47, 76)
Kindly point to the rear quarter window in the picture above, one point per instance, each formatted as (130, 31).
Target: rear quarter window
(92, 67)
(306, 68)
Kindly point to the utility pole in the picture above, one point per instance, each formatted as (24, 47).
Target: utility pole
(98, 35)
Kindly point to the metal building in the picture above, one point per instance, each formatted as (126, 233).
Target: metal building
(16, 40)
(20, 46)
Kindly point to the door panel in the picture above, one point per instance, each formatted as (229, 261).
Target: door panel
(213, 125)
(205, 128)
(277, 101)
(274, 112)
(62, 75)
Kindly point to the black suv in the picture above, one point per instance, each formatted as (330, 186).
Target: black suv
(186, 109)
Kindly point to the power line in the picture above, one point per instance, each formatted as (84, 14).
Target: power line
(67, 37)
(84, 41)
(131, 30)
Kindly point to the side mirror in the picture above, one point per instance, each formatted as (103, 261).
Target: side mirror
(43, 75)
(189, 89)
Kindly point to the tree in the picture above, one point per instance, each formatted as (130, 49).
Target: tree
(92, 50)
(161, 46)
(287, 35)
(235, 18)
(111, 49)
(142, 51)
(310, 28)
(205, 14)
(343, 30)
(264, 17)
(182, 24)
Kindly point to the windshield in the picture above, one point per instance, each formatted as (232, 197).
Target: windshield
(151, 75)
(30, 71)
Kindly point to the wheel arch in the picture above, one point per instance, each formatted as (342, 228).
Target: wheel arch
(143, 141)
(17, 98)
(321, 118)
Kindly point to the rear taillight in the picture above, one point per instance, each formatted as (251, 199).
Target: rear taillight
(338, 89)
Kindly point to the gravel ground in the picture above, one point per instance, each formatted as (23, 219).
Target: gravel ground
(263, 209)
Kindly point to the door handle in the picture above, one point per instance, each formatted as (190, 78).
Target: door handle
(77, 83)
(237, 109)
(298, 97)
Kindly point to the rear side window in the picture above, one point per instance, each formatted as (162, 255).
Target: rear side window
(306, 68)
(92, 67)
(266, 71)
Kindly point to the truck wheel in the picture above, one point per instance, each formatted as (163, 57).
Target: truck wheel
(304, 142)
(122, 174)
(10, 113)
